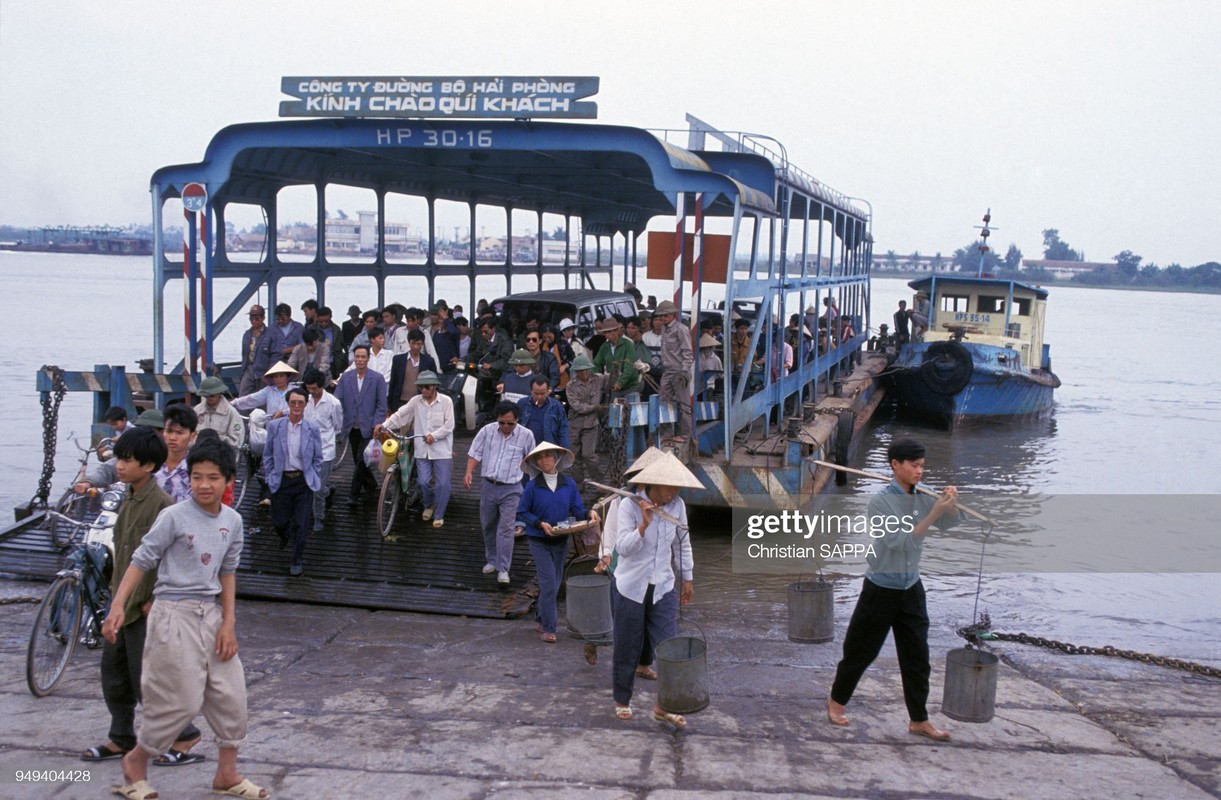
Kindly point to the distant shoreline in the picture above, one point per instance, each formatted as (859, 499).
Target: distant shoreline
(916, 275)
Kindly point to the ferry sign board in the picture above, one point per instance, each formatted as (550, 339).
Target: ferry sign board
(446, 97)
(194, 197)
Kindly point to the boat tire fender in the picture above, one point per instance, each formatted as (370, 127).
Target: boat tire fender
(947, 367)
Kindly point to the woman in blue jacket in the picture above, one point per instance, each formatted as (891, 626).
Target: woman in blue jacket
(549, 500)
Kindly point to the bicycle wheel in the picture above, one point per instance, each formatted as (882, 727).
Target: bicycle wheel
(413, 497)
(388, 504)
(53, 640)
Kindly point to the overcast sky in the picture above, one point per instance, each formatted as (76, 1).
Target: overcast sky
(1100, 119)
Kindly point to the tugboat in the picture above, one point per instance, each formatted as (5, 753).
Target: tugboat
(977, 350)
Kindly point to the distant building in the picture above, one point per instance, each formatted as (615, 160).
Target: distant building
(345, 235)
(1067, 269)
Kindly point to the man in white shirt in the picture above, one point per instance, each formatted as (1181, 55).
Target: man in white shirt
(324, 410)
(429, 419)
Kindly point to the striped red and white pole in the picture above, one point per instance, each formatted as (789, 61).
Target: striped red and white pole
(680, 227)
(188, 334)
(697, 275)
(204, 268)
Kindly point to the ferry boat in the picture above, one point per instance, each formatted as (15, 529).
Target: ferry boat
(983, 355)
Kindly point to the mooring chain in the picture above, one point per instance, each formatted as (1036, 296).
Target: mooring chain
(50, 429)
(980, 632)
(12, 601)
(617, 445)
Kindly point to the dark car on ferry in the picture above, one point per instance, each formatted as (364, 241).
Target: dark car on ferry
(583, 306)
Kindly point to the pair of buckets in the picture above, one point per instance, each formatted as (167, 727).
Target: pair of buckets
(970, 674)
(682, 661)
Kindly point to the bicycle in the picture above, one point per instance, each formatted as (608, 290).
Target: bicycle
(400, 486)
(61, 532)
(74, 607)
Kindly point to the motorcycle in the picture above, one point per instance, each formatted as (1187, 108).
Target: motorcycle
(462, 386)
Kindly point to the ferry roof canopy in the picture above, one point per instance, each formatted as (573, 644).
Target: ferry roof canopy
(615, 178)
(923, 284)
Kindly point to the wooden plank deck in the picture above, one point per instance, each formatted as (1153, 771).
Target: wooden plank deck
(349, 564)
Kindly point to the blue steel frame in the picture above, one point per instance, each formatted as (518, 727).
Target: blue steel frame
(612, 179)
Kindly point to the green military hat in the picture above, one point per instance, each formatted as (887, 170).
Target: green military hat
(519, 357)
(151, 418)
(582, 362)
(427, 378)
(211, 386)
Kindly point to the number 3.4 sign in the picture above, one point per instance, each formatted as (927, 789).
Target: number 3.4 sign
(194, 197)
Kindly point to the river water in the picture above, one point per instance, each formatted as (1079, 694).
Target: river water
(1138, 416)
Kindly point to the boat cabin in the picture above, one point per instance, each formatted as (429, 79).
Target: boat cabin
(1001, 313)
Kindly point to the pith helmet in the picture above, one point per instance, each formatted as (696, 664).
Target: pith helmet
(564, 458)
(565, 324)
(151, 418)
(607, 325)
(519, 357)
(280, 368)
(666, 470)
(427, 378)
(211, 386)
(666, 307)
(582, 362)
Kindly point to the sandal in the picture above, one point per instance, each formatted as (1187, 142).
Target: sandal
(647, 673)
(103, 752)
(245, 789)
(591, 654)
(177, 758)
(835, 718)
(549, 638)
(623, 712)
(140, 790)
(677, 720)
(932, 732)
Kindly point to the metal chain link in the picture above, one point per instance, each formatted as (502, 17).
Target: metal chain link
(50, 430)
(617, 445)
(981, 632)
(12, 601)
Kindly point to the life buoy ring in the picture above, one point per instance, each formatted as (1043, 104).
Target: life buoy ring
(947, 367)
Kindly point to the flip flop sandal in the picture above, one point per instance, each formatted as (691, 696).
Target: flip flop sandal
(591, 654)
(102, 753)
(646, 673)
(623, 712)
(140, 790)
(246, 789)
(177, 758)
(677, 720)
(935, 734)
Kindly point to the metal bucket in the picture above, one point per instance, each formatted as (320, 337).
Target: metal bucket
(970, 685)
(682, 674)
(588, 604)
(811, 612)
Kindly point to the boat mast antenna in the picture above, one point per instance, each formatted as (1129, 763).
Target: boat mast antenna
(984, 233)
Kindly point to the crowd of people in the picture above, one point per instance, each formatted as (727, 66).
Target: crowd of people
(177, 541)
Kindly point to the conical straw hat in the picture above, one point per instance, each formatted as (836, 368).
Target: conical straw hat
(565, 459)
(643, 460)
(280, 367)
(666, 470)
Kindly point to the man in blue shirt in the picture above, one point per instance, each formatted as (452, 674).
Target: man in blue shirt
(543, 414)
(892, 597)
(499, 448)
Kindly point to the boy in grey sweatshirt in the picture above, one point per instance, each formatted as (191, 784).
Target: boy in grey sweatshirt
(190, 655)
